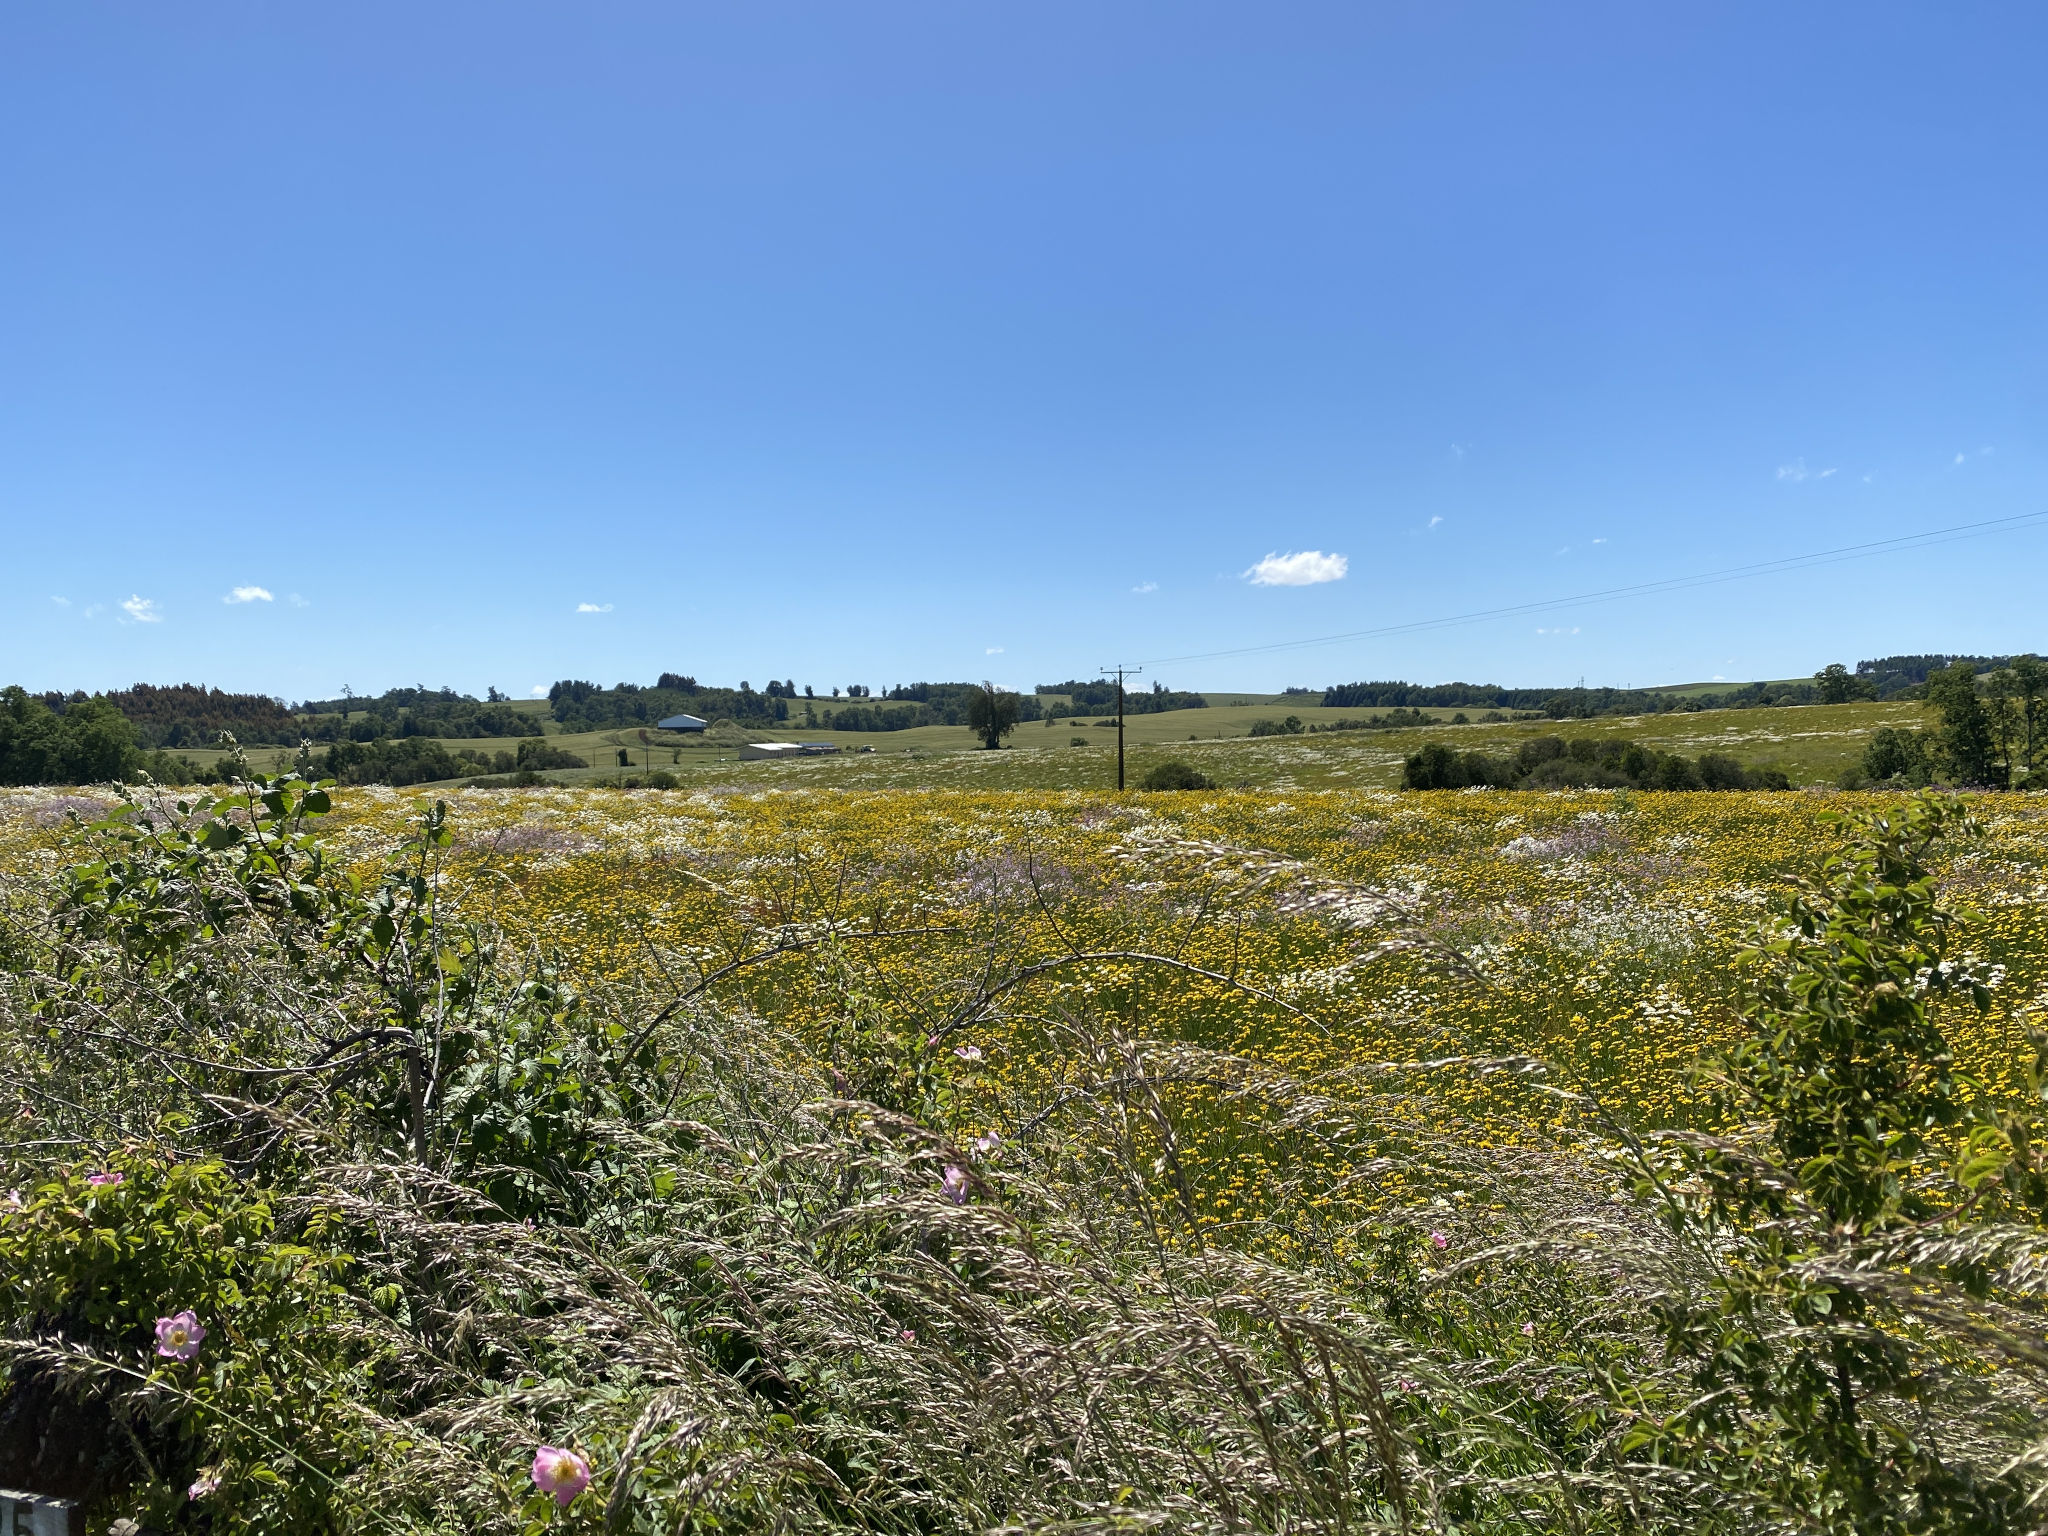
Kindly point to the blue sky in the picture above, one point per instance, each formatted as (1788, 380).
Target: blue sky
(500, 343)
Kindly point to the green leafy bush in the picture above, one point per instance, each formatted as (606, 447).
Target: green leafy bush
(262, 1420)
(1175, 774)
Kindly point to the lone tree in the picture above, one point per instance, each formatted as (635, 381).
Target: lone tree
(991, 714)
(1838, 685)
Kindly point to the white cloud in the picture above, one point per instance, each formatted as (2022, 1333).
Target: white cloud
(1560, 631)
(1145, 586)
(593, 607)
(1797, 471)
(1432, 522)
(994, 650)
(94, 610)
(142, 610)
(538, 691)
(247, 595)
(61, 602)
(1311, 567)
(297, 601)
(1599, 541)
(1960, 457)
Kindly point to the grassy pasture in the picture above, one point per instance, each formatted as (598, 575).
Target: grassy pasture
(1811, 743)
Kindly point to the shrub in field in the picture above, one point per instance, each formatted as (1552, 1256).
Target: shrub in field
(1175, 774)
(1897, 757)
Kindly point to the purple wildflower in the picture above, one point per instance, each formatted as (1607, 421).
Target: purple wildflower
(179, 1336)
(104, 1180)
(954, 1185)
(208, 1483)
(908, 1336)
(561, 1473)
(1439, 1240)
(967, 1052)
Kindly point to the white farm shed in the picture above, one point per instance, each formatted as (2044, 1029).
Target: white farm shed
(765, 751)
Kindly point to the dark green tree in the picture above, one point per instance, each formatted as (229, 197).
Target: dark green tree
(2020, 695)
(1838, 685)
(991, 714)
(1969, 749)
(1896, 755)
(91, 742)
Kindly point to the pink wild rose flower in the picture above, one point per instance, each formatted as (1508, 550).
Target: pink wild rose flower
(561, 1473)
(179, 1336)
(104, 1180)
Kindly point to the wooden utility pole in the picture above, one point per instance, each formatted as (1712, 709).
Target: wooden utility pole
(1121, 674)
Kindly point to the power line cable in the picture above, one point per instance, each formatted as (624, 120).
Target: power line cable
(1903, 542)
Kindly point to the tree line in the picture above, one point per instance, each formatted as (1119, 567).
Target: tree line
(584, 706)
(1986, 730)
(416, 711)
(423, 760)
(1099, 698)
(1889, 677)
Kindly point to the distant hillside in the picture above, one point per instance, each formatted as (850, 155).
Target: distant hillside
(401, 712)
(582, 706)
(1099, 698)
(1888, 677)
(1562, 703)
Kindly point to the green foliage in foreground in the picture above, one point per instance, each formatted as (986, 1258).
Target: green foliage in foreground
(1884, 1192)
(435, 1210)
(1549, 762)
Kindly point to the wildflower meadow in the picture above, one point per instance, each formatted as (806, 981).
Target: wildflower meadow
(958, 1160)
